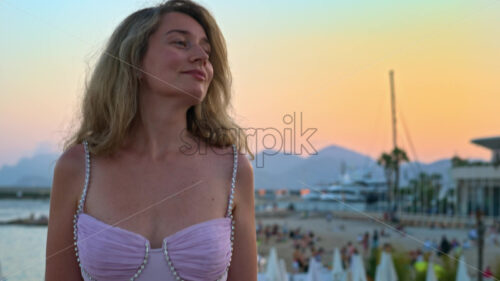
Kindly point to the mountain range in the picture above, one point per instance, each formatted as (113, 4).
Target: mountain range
(281, 171)
(272, 169)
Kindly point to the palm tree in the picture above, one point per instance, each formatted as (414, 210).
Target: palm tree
(390, 162)
(426, 190)
(385, 160)
(456, 161)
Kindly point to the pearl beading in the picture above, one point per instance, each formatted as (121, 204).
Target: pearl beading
(170, 264)
(229, 214)
(80, 209)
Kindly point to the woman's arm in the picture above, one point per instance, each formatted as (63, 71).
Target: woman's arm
(244, 261)
(69, 174)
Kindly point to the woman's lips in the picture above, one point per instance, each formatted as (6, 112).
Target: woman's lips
(196, 74)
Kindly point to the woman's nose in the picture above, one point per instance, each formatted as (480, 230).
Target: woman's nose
(198, 53)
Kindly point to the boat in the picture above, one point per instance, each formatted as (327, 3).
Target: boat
(312, 195)
(342, 193)
(358, 190)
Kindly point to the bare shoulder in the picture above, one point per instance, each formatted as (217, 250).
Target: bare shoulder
(244, 182)
(244, 185)
(244, 173)
(72, 159)
(69, 173)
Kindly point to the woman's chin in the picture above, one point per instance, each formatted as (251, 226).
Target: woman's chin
(197, 94)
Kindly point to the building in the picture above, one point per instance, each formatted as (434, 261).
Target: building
(477, 185)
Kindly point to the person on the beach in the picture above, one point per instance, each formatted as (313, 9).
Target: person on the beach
(299, 258)
(488, 274)
(375, 239)
(366, 243)
(154, 184)
(444, 246)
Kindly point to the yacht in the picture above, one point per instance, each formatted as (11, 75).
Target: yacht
(358, 190)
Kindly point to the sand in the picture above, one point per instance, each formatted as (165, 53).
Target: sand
(338, 232)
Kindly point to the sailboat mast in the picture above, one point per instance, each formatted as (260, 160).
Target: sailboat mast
(393, 107)
(395, 190)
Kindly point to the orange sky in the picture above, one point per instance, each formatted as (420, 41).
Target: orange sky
(328, 61)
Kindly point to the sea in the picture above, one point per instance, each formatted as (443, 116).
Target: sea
(22, 248)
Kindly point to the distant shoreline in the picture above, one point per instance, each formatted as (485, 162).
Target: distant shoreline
(20, 192)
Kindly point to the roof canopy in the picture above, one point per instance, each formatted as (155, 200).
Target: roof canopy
(492, 143)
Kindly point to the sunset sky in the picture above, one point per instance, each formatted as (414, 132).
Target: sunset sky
(328, 60)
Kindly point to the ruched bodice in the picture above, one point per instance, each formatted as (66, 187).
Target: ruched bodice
(109, 253)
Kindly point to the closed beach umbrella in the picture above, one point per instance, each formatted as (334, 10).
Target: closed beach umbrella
(283, 273)
(273, 269)
(431, 274)
(462, 270)
(385, 270)
(358, 272)
(337, 270)
(314, 272)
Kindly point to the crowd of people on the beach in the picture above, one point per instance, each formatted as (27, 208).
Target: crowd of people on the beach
(306, 244)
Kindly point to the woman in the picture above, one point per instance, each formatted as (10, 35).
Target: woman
(153, 185)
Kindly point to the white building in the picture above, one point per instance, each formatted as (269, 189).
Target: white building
(478, 186)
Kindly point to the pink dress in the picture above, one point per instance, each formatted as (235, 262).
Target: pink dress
(199, 252)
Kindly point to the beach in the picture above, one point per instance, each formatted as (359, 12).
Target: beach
(337, 232)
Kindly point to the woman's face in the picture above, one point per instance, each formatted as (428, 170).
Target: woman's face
(176, 61)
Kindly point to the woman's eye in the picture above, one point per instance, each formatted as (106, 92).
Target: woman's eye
(185, 44)
(182, 43)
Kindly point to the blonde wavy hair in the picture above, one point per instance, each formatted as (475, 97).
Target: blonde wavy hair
(110, 101)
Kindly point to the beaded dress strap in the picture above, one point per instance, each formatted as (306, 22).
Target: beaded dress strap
(87, 177)
(80, 210)
(233, 181)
